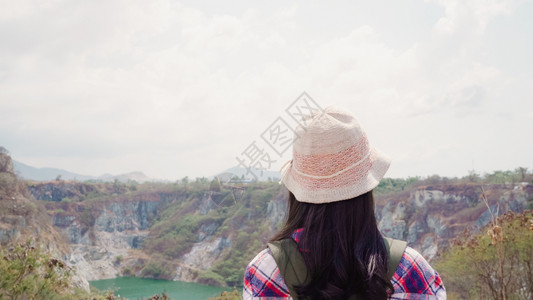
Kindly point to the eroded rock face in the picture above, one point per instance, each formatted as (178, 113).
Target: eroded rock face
(429, 247)
(427, 218)
(72, 229)
(435, 225)
(6, 164)
(10, 228)
(200, 258)
(392, 223)
(207, 203)
(416, 229)
(277, 211)
(22, 219)
(118, 228)
(126, 216)
(431, 216)
(59, 190)
(207, 230)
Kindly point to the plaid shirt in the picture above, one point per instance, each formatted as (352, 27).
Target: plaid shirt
(414, 278)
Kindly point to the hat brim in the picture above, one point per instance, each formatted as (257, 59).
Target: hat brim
(308, 192)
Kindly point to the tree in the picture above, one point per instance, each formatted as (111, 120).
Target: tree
(473, 176)
(215, 185)
(26, 273)
(5, 160)
(523, 172)
(234, 295)
(185, 181)
(157, 297)
(496, 263)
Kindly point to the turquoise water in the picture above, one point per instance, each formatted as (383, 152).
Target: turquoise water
(138, 288)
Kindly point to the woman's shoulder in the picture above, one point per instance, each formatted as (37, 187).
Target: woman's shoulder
(262, 278)
(414, 278)
(414, 275)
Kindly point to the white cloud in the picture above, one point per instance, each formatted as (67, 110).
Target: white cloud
(174, 90)
(472, 15)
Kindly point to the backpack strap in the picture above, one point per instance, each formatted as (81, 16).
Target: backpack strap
(395, 249)
(292, 266)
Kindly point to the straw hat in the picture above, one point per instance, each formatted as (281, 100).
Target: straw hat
(332, 159)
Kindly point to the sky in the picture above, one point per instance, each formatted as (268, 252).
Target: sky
(184, 88)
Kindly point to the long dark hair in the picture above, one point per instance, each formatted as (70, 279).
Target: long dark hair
(345, 252)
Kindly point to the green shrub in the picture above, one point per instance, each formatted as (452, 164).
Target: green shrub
(86, 218)
(211, 278)
(234, 295)
(26, 272)
(496, 263)
(127, 271)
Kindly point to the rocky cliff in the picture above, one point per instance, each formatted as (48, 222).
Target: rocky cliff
(204, 233)
(22, 219)
(430, 216)
(102, 235)
(178, 233)
(213, 244)
(142, 233)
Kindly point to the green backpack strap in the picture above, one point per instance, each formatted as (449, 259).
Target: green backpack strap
(292, 266)
(395, 249)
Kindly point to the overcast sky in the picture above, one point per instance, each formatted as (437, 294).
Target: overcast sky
(176, 88)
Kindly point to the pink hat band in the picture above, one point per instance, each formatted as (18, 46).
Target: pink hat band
(332, 159)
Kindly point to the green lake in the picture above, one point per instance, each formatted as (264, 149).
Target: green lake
(141, 288)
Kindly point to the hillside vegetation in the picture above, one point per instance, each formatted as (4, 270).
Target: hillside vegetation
(31, 249)
(188, 213)
(496, 263)
(203, 231)
(242, 216)
(242, 222)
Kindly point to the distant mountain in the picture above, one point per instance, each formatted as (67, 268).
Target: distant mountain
(47, 174)
(137, 176)
(243, 173)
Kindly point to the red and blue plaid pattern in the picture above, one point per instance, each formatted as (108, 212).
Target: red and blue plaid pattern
(414, 278)
(262, 279)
